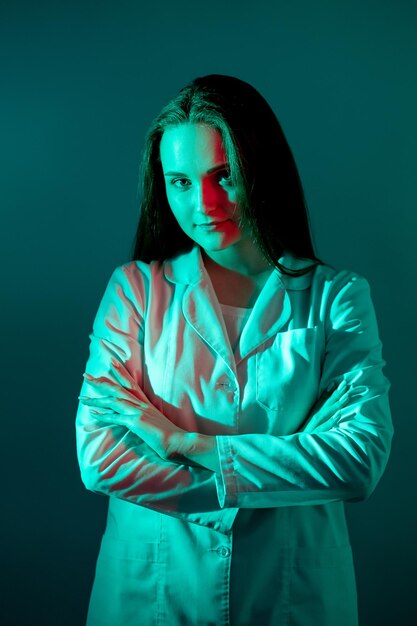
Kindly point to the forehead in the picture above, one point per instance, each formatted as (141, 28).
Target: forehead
(191, 145)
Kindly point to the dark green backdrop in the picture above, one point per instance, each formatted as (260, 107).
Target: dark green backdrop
(80, 83)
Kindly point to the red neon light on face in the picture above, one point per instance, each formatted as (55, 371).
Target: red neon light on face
(198, 185)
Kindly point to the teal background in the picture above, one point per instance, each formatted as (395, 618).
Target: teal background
(80, 83)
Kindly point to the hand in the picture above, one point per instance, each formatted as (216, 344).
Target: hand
(327, 409)
(201, 450)
(130, 407)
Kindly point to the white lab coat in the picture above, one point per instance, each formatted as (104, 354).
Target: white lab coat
(264, 541)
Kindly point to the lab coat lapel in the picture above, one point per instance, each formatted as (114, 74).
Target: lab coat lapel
(202, 312)
(200, 306)
(271, 311)
(201, 309)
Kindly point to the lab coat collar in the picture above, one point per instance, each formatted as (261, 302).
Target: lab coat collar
(271, 311)
(188, 268)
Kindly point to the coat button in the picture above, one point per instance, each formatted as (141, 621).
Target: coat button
(223, 551)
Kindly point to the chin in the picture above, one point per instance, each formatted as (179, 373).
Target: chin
(218, 246)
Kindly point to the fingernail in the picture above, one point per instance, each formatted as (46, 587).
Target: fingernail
(361, 390)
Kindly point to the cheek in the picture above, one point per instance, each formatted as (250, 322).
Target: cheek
(179, 209)
(171, 197)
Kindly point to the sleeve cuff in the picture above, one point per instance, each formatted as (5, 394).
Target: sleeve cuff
(226, 480)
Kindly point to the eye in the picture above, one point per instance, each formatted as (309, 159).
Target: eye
(224, 178)
(180, 183)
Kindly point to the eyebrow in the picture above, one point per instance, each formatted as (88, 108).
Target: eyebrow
(221, 166)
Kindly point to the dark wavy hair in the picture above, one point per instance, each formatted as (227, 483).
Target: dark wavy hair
(262, 168)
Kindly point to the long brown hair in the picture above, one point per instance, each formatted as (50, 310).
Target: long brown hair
(260, 163)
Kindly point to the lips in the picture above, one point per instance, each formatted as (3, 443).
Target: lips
(213, 223)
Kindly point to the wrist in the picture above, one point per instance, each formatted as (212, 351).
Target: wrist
(202, 449)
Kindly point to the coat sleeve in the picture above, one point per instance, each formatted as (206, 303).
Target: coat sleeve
(113, 460)
(342, 463)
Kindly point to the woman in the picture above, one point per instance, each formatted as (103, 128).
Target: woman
(234, 397)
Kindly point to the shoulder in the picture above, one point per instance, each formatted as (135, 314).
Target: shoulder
(328, 277)
(345, 300)
(136, 268)
(334, 282)
(322, 280)
(332, 291)
(128, 286)
(185, 267)
(137, 275)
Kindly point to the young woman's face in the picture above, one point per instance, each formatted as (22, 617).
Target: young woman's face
(198, 186)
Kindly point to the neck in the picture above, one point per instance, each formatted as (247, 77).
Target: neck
(243, 258)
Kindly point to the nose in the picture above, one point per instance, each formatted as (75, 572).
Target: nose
(205, 198)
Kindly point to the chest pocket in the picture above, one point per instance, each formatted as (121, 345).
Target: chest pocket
(288, 371)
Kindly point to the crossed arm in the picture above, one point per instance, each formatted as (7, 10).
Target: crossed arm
(130, 408)
(129, 449)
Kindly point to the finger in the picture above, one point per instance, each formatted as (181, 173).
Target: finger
(109, 417)
(102, 381)
(344, 399)
(105, 383)
(339, 397)
(127, 380)
(331, 387)
(336, 403)
(328, 424)
(103, 411)
(110, 402)
(336, 386)
(340, 389)
(324, 423)
(322, 414)
(104, 399)
(327, 417)
(343, 384)
(124, 374)
(101, 401)
(331, 395)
